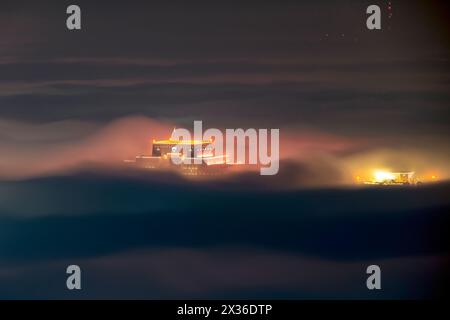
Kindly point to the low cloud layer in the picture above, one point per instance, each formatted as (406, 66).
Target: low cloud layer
(136, 238)
(29, 150)
(308, 157)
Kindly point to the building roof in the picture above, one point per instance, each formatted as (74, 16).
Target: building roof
(183, 142)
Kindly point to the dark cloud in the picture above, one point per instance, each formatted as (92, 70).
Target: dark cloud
(94, 215)
(163, 237)
(229, 62)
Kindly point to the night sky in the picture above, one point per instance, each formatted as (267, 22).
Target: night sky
(252, 64)
(74, 104)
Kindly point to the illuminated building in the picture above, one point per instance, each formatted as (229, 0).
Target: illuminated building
(381, 177)
(163, 152)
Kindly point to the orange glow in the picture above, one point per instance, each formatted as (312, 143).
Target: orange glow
(381, 176)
